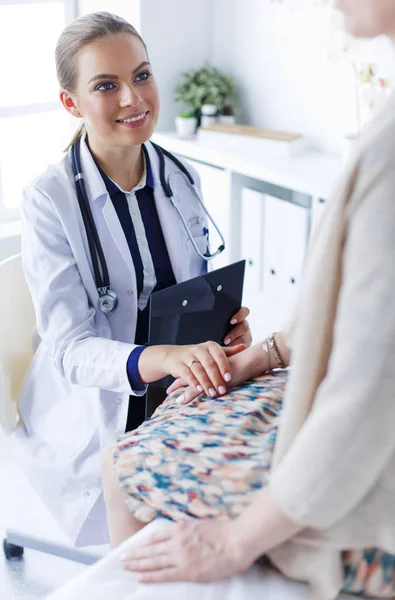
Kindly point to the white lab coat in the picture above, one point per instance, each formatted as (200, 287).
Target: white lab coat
(75, 396)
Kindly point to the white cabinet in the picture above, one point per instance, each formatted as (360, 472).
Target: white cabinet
(274, 239)
(251, 227)
(251, 248)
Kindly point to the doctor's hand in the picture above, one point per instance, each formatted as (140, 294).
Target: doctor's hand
(191, 392)
(240, 333)
(204, 367)
(245, 365)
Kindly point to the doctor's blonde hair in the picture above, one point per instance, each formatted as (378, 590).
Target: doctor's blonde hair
(76, 36)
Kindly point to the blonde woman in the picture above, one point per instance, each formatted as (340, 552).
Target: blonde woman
(86, 384)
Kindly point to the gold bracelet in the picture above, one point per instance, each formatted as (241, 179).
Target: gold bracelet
(265, 345)
(275, 350)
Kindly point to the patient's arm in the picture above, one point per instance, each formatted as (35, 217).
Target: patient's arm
(246, 365)
(252, 362)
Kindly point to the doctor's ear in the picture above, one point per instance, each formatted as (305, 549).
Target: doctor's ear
(69, 103)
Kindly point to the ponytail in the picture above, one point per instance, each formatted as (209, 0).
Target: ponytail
(77, 136)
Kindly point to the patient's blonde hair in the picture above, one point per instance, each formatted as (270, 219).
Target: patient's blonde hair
(74, 37)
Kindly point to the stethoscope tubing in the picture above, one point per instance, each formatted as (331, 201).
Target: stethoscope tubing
(95, 247)
(165, 183)
(207, 256)
(108, 299)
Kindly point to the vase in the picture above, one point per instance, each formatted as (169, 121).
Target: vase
(186, 127)
(208, 115)
(227, 119)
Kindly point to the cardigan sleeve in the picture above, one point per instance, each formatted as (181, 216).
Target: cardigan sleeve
(349, 437)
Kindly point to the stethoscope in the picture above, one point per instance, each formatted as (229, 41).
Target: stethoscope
(108, 299)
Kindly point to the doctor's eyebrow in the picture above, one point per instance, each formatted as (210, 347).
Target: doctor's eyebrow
(112, 76)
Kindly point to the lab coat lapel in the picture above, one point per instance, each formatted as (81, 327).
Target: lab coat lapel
(100, 202)
(173, 231)
(117, 233)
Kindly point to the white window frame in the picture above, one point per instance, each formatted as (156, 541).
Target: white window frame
(70, 13)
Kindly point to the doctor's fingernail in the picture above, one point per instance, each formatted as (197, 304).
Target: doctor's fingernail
(227, 341)
(180, 399)
(221, 389)
(211, 391)
(233, 322)
(199, 388)
(227, 376)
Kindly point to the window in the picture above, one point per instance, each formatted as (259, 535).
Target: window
(34, 127)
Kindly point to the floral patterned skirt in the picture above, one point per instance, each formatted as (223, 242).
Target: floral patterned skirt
(202, 460)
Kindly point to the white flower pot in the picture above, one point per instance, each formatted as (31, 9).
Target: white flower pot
(186, 127)
(209, 115)
(227, 119)
(207, 121)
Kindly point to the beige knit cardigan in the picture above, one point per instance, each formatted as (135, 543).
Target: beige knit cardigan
(334, 463)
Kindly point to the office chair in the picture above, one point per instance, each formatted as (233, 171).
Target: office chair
(17, 322)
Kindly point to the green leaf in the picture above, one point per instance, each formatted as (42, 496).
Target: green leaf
(186, 115)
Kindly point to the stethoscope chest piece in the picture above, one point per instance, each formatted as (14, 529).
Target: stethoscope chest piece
(108, 300)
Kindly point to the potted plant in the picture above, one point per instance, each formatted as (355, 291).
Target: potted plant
(186, 123)
(207, 85)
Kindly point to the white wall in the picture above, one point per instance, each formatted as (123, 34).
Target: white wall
(278, 57)
(178, 35)
(128, 9)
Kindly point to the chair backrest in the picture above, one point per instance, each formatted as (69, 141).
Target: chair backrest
(17, 321)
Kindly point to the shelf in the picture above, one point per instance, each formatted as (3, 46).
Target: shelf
(311, 172)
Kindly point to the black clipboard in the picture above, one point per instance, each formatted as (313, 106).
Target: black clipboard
(192, 312)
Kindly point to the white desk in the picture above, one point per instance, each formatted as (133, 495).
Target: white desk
(266, 208)
(311, 173)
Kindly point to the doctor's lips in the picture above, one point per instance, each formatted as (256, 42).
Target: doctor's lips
(135, 120)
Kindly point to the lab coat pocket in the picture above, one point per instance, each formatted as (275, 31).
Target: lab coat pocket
(196, 225)
(198, 265)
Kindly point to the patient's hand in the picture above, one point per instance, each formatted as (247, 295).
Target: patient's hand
(190, 551)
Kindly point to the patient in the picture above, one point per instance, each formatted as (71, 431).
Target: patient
(301, 471)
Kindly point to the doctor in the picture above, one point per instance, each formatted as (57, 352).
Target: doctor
(88, 377)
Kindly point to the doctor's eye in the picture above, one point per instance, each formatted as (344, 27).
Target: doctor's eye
(105, 87)
(143, 76)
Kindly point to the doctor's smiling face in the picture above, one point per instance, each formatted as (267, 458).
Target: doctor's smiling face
(115, 91)
(368, 18)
